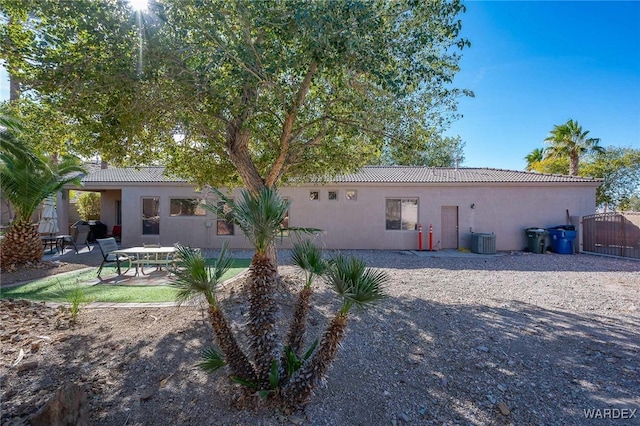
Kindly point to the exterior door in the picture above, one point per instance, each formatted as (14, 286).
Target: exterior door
(449, 221)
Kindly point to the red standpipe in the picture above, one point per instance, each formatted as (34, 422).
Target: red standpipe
(430, 237)
(420, 237)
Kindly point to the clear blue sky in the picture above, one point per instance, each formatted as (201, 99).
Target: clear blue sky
(533, 65)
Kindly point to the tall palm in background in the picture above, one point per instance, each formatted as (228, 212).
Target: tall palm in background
(534, 158)
(26, 179)
(569, 140)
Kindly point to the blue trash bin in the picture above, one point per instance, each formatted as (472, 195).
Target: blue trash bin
(562, 238)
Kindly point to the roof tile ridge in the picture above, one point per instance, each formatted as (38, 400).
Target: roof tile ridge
(560, 175)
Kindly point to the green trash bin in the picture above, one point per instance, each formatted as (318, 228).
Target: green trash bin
(536, 239)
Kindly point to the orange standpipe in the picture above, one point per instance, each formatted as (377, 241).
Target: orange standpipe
(430, 237)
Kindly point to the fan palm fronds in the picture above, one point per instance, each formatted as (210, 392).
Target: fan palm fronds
(308, 257)
(212, 360)
(194, 277)
(259, 216)
(356, 284)
(568, 140)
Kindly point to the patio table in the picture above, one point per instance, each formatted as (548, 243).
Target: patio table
(141, 256)
(50, 243)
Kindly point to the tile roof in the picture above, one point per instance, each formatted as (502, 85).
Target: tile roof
(419, 174)
(129, 174)
(369, 174)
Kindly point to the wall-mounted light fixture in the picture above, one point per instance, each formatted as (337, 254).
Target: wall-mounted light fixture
(473, 205)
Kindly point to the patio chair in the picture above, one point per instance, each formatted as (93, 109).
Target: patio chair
(78, 237)
(107, 246)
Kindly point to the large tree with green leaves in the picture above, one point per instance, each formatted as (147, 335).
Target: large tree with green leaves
(46, 130)
(432, 150)
(631, 204)
(620, 170)
(569, 141)
(241, 92)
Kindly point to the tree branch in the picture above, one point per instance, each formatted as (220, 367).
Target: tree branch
(285, 137)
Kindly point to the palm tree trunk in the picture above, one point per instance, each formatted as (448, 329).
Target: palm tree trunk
(574, 160)
(20, 245)
(298, 322)
(262, 315)
(234, 356)
(299, 389)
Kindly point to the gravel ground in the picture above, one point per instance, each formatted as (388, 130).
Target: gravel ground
(518, 339)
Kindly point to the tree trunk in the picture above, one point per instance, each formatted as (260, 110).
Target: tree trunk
(235, 357)
(238, 148)
(573, 164)
(20, 245)
(14, 89)
(298, 390)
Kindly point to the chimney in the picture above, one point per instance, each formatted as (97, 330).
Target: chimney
(103, 164)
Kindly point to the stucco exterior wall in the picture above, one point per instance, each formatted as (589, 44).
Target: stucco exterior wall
(504, 209)
(108, 207)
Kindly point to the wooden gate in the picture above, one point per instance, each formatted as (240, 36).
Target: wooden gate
(615, 234)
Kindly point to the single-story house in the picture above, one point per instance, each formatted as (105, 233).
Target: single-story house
(379, 207)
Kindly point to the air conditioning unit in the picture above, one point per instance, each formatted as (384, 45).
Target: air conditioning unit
(483, 243)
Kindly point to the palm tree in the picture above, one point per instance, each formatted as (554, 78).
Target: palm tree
(534, 158)
(290, 378)
(358, 286)
(194, 278)
(307, 257)
(26, 179)
(259, 217)
(11, 123)
(570, 141)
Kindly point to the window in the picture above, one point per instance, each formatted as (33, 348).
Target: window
(314, 195)
(351, 195)
(151, 216)
(333, 195)
(224, 226)
(187, 207)
(402, 214)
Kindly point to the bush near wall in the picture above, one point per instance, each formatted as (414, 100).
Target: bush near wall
(88, 206)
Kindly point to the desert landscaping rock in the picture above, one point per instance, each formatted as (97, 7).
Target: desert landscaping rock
(518, 339)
